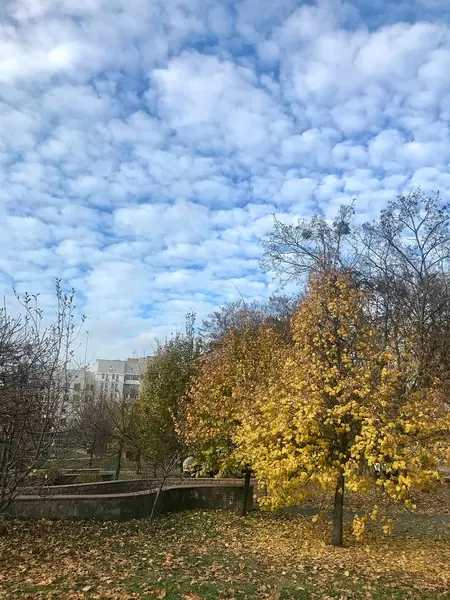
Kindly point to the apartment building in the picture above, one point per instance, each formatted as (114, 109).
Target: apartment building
(122, 377)
(110, 378)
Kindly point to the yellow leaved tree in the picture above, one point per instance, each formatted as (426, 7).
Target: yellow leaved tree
(338, 406)
(222, 394)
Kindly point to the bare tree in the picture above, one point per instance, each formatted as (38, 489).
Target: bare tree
(120, 414)
(34, 373)
(293, 252)
(276, 311)
(93, 424)
(402, 258)
(405, 260)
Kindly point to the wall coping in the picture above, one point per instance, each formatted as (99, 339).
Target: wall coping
(205, 483)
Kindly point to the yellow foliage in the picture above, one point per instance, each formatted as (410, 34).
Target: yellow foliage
(388, 526)
(333, 404)
(359, 526)
(339, 405)
(222, 393)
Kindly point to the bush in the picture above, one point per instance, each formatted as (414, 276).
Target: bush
(42, 477)
(88, 477)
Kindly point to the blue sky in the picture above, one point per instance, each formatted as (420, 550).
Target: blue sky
(145, 144)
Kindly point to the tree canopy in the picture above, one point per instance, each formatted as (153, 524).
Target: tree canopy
(165, 383)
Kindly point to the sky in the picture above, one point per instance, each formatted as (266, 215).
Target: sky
(146, 144)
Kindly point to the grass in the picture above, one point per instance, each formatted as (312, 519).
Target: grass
(215, 555)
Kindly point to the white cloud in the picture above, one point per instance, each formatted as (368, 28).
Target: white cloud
(145, 145)
(162, 224)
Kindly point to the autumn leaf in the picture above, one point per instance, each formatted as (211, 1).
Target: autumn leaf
(168, 559)
(108, 556)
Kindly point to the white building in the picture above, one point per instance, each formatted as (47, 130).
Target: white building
(110, 378)
(121, 377)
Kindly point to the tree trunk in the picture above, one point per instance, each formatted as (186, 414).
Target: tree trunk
(155, 501)
(119, 460)
(167, 469)
(246, 491)
(3, 528)
(138, 463)
(338, 514)
(91, 455)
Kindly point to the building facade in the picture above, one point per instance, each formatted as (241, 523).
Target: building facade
(119, 377)
(110, 379)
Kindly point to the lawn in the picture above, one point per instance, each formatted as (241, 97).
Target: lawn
(211, 555)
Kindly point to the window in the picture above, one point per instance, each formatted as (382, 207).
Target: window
(103, 376)
(131, 377)
(91, 387)
(117, 387)
(131, 390)
(101, 385)
(107, 376)
(77, 387)
(106, 386)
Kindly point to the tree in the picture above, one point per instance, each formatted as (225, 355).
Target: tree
(296, 251)
(338, 406)
(276, 312)
(34, 361)
(164, 386)
(221, 395)
(405, 260)
(93, 425)
(402, 258)
(120, 415)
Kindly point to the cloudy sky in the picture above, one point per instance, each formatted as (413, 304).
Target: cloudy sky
(145, 144)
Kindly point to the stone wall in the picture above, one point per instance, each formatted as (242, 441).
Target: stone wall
(123, 486)
(131, 505)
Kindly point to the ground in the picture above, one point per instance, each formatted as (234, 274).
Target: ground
(212, 555)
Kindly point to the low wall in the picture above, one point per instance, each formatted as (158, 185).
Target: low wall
(131, 505)
(124, 486)
(96, 488)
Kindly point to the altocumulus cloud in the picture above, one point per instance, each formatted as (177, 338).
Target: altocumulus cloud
(144, 144)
